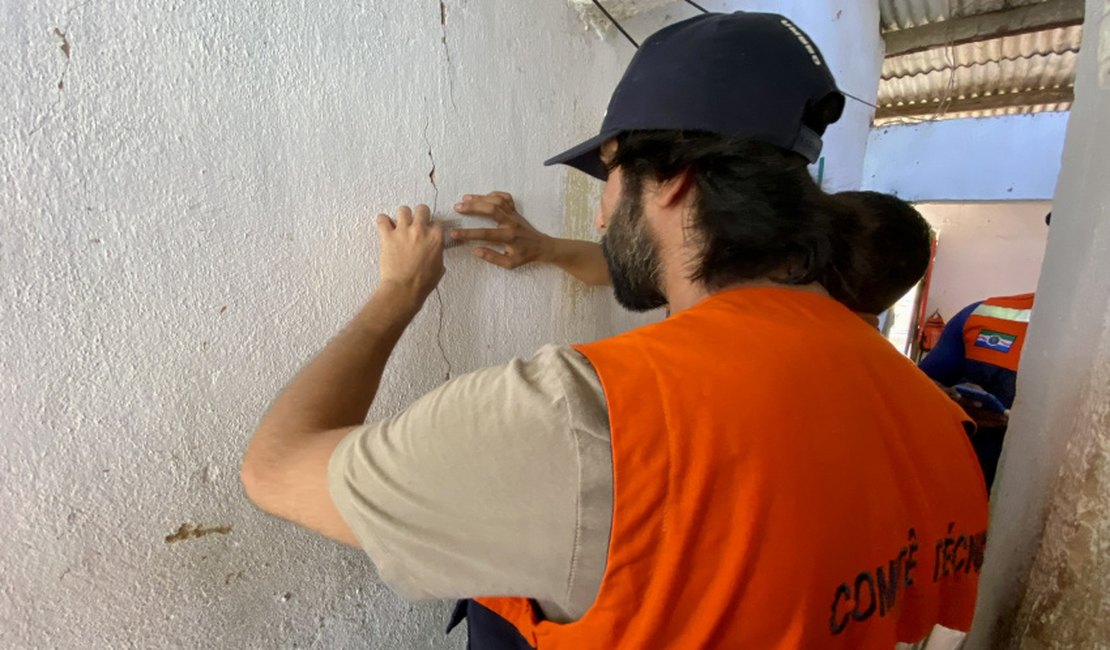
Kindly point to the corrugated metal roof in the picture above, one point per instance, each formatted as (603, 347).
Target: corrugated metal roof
(1063, 41)
(994, 112)
(1024, 73)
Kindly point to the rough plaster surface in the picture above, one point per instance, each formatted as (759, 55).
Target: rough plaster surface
(185, 219)
(984, 249)
(1066, 603)
(185, 216)
(1051, 504)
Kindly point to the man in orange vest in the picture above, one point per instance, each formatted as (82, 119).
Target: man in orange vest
(759, 470)
(980, 349)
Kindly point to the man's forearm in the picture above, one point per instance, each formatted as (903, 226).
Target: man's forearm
(337, 388)
(286, 469)
(582, 259)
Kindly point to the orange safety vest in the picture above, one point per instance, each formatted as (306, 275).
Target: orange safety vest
(995, 331)
(782, 478)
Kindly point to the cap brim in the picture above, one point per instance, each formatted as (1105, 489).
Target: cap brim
(586, 157)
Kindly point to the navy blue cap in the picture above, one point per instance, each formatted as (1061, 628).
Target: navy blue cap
(753, 75)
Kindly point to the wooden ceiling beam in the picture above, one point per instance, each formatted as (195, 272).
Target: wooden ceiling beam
(926, 110)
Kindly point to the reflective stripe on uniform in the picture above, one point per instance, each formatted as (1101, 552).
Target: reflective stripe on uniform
(1003, 313)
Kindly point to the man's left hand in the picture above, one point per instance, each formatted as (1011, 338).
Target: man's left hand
(412, 252)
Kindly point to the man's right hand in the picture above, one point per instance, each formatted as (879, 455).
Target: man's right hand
(523, 244)
(984, 418)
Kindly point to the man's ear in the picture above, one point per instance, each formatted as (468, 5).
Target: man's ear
(672, 192)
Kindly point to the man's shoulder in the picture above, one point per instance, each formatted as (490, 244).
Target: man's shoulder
(573, 381)
(559, 358)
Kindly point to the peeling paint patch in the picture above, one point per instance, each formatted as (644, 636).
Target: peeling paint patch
(67, 50)
(65, 47)
(189, 531)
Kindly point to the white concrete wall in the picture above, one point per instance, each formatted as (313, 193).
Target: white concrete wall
(1051, 500)
(1010, 158)
(184, 221)
(185, 216)
(984, 250)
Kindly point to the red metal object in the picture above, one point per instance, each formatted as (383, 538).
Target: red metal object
(931, 330)
(924, 296)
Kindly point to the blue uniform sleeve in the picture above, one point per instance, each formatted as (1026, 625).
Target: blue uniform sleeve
(945, 363)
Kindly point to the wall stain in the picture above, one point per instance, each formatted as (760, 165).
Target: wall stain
(234, 576)
(189, 531)
(67, 50)
(577, 224)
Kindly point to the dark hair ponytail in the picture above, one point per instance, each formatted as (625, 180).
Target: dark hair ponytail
(759, 213)
(881, 249)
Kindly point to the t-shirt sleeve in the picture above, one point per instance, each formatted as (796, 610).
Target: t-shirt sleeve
(945, 362)
(474, 489)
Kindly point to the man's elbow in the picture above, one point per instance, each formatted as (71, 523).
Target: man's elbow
(259, 479)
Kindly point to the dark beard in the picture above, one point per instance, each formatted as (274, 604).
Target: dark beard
(631, 256)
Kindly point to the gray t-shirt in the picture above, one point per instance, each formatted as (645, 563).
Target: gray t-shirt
(498, 483)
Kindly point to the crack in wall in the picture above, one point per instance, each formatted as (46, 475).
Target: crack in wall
(439, 337)
(447, 53)
(438, 294)
(432, 180)
(432, 160)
